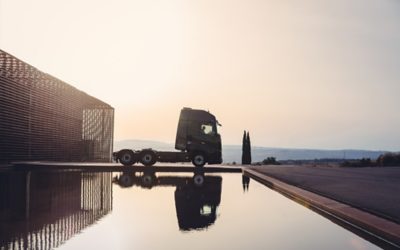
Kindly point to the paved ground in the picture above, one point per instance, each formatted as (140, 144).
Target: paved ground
(376, 190)
(117, 167)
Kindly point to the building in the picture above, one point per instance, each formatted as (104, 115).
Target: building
(44, 118)
(43, 210)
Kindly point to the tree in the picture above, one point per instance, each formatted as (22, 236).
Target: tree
(389, 159)
(246, 148)
(244, 159)
(270, 161)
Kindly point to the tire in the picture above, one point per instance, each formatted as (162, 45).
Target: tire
(148, 158)
(147, 180)
(125, 180)
(199, 159)
(198, 180)
(126, 157)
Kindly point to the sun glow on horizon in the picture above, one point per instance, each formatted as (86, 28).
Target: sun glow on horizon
(305, 75)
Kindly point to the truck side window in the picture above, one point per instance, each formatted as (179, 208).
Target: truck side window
(207, 129)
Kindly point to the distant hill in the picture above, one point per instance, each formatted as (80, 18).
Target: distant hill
(231, 153)
(140, 144)
(234, 153)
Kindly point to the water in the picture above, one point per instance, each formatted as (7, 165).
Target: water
(74, 210)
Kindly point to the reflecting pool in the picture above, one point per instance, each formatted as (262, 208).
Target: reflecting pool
(82, 210)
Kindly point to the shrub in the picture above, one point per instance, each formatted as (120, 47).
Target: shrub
(270, 161)
(389, 159)
(364, 162)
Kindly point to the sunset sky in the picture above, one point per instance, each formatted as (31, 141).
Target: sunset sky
(299, 74)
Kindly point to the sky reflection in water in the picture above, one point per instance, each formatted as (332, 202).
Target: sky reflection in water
(159, 211)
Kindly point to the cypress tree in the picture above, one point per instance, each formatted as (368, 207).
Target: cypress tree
(248, 148)
(244, 148)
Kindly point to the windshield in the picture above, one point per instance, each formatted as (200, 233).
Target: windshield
(208, 129)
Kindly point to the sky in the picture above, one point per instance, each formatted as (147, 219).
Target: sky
(299, 74)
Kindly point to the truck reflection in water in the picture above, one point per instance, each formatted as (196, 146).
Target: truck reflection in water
(42, 210)
(196, 198)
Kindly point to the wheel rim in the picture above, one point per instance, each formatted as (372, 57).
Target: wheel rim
(147, 180)
(199, 160)
(125, 180)
(198, 180)
(126, 158)
(147, 158)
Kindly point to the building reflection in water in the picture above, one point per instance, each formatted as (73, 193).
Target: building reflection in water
(196, 198)
(41, 210)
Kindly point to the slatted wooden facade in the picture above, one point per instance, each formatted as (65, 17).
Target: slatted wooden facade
(44, 118)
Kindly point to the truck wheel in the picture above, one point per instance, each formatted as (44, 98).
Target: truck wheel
(148, 158)
(125, 180)
(199, 159)
(198, 180)
(147, 180)
(126, 157)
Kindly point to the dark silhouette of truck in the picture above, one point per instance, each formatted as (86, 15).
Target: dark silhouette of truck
(196, 198)
(197, 140)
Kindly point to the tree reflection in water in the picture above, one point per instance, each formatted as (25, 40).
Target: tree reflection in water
(41, 210)
(245, 183)
(196, 198)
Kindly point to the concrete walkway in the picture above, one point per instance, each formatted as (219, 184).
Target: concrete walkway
(117, 167)
(366, 197)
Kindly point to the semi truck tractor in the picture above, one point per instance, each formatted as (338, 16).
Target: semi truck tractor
(196, 198)
(197, 141)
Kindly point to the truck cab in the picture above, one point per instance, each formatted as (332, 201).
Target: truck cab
(198, 136)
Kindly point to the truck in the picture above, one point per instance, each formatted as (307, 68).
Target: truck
(196, 198)
(197, 141)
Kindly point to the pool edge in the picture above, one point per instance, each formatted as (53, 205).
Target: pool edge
(381, 228)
